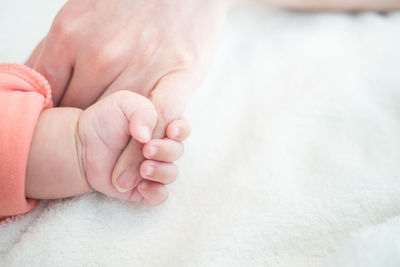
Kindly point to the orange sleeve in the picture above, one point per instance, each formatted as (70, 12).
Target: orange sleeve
(23, 95)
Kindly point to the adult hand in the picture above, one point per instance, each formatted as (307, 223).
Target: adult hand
(157, 48)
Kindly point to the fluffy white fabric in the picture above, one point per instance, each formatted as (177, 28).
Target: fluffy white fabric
(295, 145)
(373, 246)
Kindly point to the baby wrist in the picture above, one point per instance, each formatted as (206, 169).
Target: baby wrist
(54, 164)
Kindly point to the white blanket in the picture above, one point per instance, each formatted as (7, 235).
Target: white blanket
(295, 145)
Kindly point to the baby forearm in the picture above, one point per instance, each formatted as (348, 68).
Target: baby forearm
(54, 169)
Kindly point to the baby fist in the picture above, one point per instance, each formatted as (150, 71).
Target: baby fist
(105, 129)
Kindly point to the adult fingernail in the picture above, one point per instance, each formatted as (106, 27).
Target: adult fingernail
(145, 133)
(126, 181)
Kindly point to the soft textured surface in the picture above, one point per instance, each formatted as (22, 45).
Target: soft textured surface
(373, 246)
(295, 145)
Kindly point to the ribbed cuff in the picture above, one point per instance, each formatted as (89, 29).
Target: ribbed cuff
(24, 93)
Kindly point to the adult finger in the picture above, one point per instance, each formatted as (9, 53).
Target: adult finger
(171, 96)
(178, 130)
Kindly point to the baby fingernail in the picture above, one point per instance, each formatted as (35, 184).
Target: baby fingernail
(145, 133)
(125, 181)
(152, 150)
(144, 184)
(149, 170)
(175, 134)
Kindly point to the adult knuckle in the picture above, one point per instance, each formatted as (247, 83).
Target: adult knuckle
(148, 44)
(184, 58)
(107, 58)
(63, 28)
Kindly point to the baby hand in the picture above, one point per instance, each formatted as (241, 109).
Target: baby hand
(103, 133)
